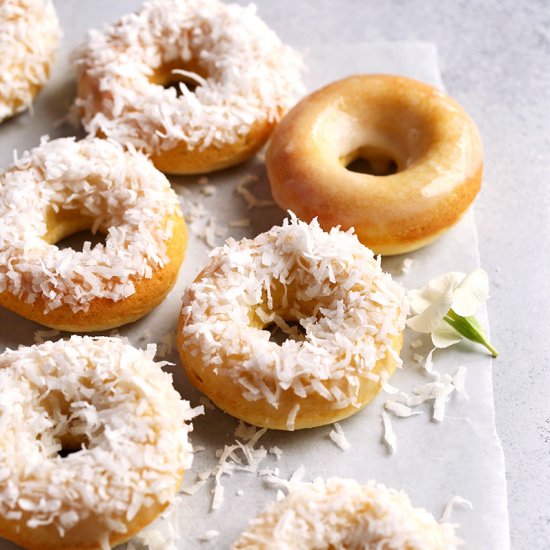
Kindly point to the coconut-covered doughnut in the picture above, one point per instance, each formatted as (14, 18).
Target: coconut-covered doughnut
(341, 513)
(93, 443)
(62, 187)
(348, 318)
(424, 156)
(235, 77)
(29, 33)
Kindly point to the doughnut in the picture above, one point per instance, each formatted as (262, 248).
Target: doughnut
(342, 513)
(62, 187)
(199, 86)
(350, 317)
(94, 443)
(29, 33)
(424, 156)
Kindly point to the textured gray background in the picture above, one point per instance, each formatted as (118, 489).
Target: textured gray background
(494, 60)
(494, 57)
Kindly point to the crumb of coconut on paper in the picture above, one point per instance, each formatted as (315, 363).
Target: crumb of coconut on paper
(276, 451)
(208, 190)
(449, 507)
(242, 222)
(238, 457)
(388, 436)
(251, 200)
(438, 391)
(406, 266)
(338, 437)
(209, 535)
(418, 343)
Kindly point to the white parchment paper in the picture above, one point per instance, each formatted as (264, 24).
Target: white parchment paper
(462, 456)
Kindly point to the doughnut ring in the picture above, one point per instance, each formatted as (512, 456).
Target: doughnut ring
(62, 187)
(29, 33)
(424, 151)
(341, 513)
(350, 317)
(94, 443)
(234, 77)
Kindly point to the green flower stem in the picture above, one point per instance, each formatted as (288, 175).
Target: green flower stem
(470, 328)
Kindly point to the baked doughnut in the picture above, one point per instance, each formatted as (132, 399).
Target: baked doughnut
(29, 33)
(341, 513)
(94, 443)
(397, 125)
(234, 76)
(62, 187)
(350, 312)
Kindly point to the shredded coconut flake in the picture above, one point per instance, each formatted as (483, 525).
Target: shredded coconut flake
(406, 266)
(389, 435)
(338, 437)
(243, 222)
(415, 344)
(454, 501)
(209, 535)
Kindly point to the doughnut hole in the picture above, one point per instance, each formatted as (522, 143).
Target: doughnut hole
(172, 74)
(65, 223)
(375, 141)
(69, 229)
(68, 432)
(371, 160)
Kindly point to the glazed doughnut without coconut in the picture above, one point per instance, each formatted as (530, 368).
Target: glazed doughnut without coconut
(395, 124)
(351, 315)
(234, 76)
(29, 33)
(94, 443)
(341, 513)
(62, 187)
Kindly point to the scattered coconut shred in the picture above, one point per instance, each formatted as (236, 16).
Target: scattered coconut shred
(251, 200)
(404, 405)
(240, 456)
(338, 437)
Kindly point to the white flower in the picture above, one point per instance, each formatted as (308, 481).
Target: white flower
(446, 305)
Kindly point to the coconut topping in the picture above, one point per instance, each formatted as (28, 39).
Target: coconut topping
(114, 408)
(121, 193)
(29, 32)
(348, 309)
(243, 73)
(341, 513)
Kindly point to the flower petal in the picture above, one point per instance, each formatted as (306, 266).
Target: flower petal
(471, 293)
(422, 298)
(445, 335)
(429, 319)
